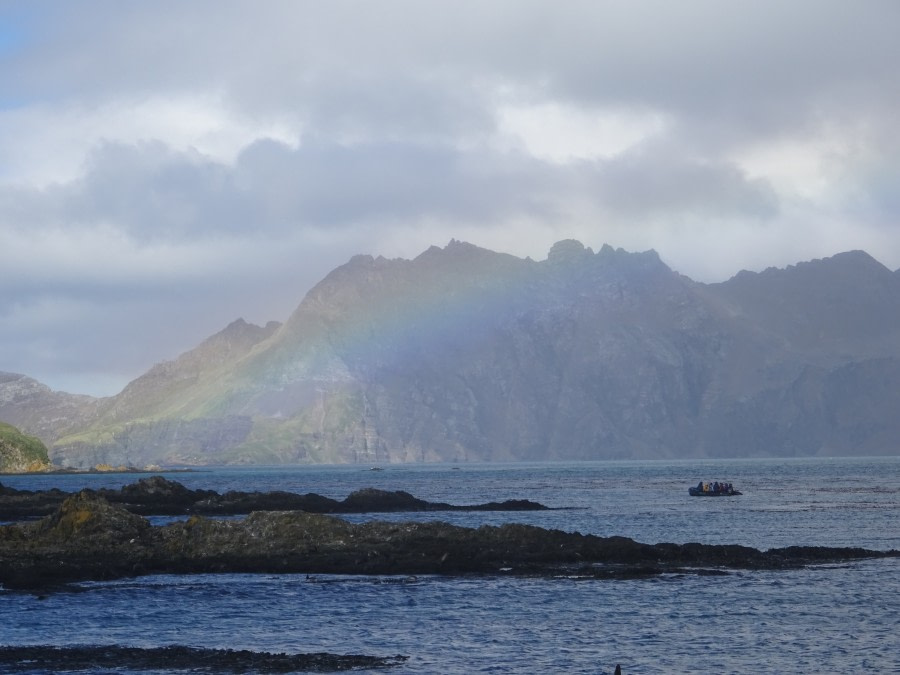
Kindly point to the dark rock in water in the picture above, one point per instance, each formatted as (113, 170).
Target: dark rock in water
(88, 538)
(368, 499)
(157, 495)
(19, 504)
(372, 500)
(87, 517)
(156, 489)
(179, 658)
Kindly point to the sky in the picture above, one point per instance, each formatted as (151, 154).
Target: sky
(167, 167)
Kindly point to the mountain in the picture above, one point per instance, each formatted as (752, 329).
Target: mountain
(464, 354)
(44, 413)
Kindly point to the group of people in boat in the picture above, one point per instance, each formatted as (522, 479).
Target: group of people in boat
(716, 488)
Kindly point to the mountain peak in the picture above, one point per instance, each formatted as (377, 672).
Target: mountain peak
(456, 249)
(857, 259)
(821, 304)
(239, 332)
(847, 262)
(567, 250)
(457, 245)
(607, 252)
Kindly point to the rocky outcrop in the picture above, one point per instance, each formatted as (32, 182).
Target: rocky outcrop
(88, 538)
(156, 495)
(52, 658)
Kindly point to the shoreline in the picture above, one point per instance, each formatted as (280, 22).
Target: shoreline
(61, 471)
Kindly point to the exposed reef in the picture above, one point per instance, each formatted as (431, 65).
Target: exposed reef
(158, 496)
(89, 538)
(179, 658)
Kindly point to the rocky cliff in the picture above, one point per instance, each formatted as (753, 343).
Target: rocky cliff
(463, 354)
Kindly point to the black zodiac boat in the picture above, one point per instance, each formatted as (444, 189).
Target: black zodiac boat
(713, 490)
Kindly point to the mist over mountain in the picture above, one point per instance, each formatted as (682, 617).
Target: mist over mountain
(463, 354)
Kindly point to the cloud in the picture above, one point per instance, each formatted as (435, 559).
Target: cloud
(47, 143)
(181, 164)
(657, 183)
(563, 133)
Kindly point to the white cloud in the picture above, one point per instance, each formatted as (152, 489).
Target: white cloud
(562, 132)
(44, 143)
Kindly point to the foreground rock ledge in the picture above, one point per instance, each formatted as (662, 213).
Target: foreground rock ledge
(89, 538)
(178, 658)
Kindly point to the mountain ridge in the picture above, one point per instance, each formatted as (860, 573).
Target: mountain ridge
(464, 354)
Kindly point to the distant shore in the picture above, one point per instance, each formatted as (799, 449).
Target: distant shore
(99, 469)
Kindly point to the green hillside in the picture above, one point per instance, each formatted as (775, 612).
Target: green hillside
(20, 452)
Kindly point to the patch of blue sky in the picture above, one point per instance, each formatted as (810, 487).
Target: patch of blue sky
(17, 33)
(15, 29)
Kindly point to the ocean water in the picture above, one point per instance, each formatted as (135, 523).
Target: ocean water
(828, 619)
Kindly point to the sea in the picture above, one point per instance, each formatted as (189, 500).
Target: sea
(835, 618)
